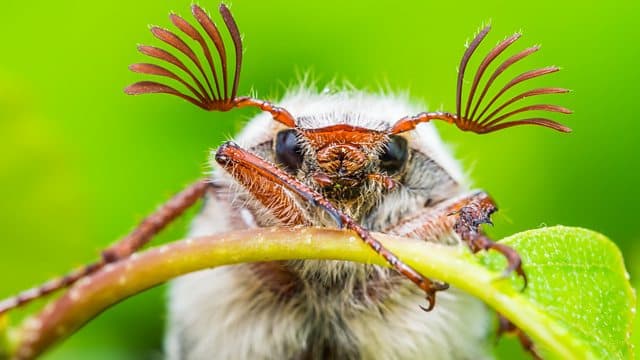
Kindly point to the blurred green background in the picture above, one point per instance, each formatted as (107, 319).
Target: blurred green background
(81, 162)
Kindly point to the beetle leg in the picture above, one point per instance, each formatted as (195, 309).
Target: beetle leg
(507, 327)
(469, 219)
(462, 216)
(157, 221)
(247, 168)
(142, 234)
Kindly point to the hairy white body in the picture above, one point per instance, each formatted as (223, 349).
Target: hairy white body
(341, 310)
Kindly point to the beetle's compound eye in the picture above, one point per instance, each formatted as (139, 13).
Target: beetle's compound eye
(395, 154)
(288, 150)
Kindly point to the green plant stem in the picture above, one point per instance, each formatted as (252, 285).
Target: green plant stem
(455, 265)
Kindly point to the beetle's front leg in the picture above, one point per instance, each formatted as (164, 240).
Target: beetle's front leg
(463, 216)
(264, 186)
(469, 217)
(273, 187)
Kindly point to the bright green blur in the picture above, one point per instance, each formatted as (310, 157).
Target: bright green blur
(81, 162)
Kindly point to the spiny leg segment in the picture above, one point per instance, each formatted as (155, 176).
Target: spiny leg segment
(505, 326)
(463, 216)
(141, 235)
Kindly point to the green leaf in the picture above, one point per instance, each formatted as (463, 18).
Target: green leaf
(578, 305)
(577, 279)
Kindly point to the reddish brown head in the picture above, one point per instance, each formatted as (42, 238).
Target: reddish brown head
(342, 157)
(343, 152)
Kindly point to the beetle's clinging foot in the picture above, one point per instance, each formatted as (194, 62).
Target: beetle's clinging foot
(431, 287)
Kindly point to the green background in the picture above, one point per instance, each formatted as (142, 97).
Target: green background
(81, 163)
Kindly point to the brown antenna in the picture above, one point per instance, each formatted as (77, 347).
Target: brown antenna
(224, 96)
(466, 119)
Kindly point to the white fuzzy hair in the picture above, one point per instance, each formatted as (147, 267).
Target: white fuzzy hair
(227, 313)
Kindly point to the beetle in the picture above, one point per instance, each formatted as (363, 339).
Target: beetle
(341, 158)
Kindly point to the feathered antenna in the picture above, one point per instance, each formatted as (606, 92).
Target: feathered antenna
(206, 98)
(219, 94)
(466, 119)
